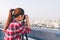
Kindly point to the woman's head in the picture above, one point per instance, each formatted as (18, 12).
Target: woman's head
(18, 11)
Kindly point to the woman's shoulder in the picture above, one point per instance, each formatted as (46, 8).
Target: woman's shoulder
(15, 24)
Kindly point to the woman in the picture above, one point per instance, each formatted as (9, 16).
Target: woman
(13, 27)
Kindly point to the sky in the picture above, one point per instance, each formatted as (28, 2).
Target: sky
(33, 8)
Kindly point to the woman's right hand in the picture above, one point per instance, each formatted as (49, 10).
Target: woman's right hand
(11, 10)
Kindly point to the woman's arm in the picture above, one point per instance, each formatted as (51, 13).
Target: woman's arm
(28, 22)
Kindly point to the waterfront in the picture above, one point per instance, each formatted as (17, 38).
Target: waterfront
(40, 34)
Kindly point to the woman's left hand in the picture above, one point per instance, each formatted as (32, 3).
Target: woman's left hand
(29, 30)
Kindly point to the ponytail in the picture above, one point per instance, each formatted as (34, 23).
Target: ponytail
(9, 19)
